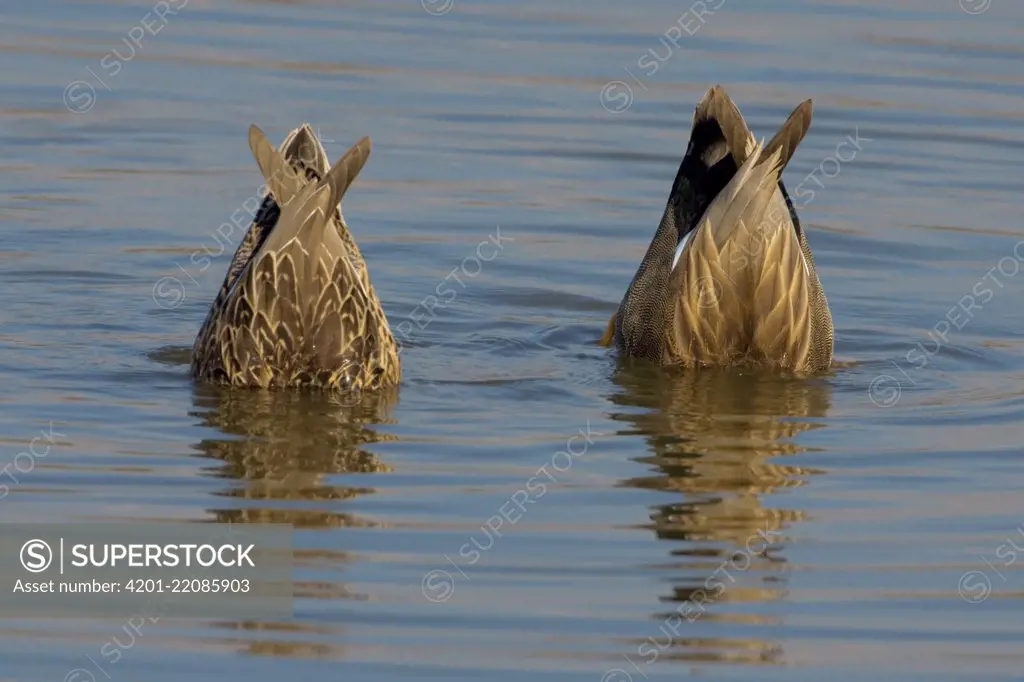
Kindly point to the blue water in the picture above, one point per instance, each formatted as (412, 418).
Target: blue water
(849, 526)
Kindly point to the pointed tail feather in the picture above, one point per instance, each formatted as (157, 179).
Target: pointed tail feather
(743, 201)
(751, 259)
(716, 106)
(305, 219)
(792, 133)
(286, 184)
(302, 146)
(745, 198)
(301, 201)
(344, 172)
(283, 181)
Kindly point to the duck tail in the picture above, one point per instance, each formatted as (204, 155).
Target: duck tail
(303, 148)
(720, 142)
(720, 130)
(342, 174)
(791, 134)
(294, 194)
(283, 180)
(750, 258)
(745, 198)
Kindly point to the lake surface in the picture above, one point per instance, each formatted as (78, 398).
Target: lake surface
(853, 526)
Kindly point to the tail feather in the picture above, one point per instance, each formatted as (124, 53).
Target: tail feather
(307, 221)
(744, 199)
(719, 142)
(742, 279)
(289, 188)
(743, 202)
(283, 180)
(343, 173)
(792, 132)
(302, 146)
(717, 109)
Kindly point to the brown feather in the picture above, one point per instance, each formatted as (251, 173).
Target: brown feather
(744, 289)
(303, 311)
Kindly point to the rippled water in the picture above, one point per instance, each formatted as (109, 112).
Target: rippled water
(851, 526)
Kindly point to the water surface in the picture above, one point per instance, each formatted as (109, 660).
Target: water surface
(832, 523)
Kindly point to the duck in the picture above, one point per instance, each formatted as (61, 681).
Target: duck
(729, 278)
(297, 308)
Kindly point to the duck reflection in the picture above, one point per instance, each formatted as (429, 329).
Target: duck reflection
(282, 446)
(719, 440)
(280, 451)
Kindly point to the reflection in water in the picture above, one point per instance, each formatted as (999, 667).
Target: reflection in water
(282, 445)
(280, 449)
(713, 436)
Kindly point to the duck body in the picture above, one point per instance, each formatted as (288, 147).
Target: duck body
(297, 308)
(729, 278)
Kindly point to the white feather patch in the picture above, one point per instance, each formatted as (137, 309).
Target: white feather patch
(682, 246)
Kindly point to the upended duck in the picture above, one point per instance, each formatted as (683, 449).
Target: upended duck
(297, 308)
(729, 279)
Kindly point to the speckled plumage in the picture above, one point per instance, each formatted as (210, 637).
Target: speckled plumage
(297, 308)
(729, 278)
